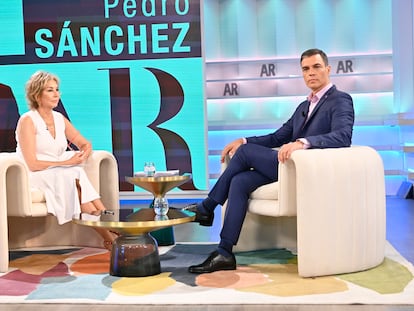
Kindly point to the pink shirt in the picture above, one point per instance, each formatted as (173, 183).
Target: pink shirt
(314, 98)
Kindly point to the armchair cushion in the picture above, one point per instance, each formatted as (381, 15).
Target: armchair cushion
(266, 192)
(37, 196)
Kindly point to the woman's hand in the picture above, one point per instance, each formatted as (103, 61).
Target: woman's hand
(78, 158)
(86, 149)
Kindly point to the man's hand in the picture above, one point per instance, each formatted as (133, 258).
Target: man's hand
(286, 150)
(231, 148)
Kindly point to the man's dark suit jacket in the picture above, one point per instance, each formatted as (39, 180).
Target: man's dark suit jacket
(329, 126)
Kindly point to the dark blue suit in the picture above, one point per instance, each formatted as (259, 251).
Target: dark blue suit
(254, 164)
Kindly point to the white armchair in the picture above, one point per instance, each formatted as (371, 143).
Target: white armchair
(328, 205)
(24, 219)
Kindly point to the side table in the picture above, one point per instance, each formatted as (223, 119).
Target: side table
(135, 252)
(159, 186)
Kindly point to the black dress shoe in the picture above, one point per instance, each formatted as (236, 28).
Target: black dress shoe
(214, 262)
(202, 219)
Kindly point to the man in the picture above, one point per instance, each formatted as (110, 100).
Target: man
(324, 120)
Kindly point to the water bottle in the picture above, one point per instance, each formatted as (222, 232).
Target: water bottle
(149, 169)
(161, 206)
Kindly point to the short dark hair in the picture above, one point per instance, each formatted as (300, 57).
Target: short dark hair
(312, 52)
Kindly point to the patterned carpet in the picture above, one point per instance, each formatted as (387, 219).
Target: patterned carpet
(267, 277)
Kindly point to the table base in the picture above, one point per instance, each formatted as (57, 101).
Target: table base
(164, 237)
(135, 255)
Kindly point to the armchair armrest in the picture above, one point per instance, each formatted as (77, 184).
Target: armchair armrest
(340, 209)
(14, 186)
(102, 170)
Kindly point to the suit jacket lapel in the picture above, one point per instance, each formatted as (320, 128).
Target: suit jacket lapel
(305, 115)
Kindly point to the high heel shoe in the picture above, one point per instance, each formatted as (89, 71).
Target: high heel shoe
(106, 212)
(108, 245)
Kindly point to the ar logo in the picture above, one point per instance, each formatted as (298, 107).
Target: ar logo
(176, 150)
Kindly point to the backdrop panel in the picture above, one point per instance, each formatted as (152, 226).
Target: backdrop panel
(131, 76)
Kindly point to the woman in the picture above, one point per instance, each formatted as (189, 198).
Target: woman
(42, 136)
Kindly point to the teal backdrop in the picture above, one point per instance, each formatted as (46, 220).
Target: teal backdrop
(131, 76)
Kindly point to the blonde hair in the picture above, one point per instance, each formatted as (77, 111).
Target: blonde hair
(35, 86)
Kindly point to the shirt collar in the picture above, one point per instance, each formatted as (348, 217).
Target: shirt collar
(320, 93)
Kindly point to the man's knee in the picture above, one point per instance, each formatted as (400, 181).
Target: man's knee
(246, 150)
(241, 182)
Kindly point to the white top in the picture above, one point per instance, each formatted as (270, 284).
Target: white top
(58, 183)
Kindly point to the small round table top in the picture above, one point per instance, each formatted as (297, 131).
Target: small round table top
(159, 186)
(139, 221)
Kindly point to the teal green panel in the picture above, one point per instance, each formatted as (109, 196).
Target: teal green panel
(11, 28)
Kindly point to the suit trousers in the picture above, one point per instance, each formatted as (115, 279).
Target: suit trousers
(251, 166)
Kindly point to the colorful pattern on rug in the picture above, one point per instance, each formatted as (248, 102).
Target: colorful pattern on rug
(72, 275)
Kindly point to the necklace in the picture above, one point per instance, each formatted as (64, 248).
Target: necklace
(49, 121)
